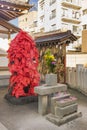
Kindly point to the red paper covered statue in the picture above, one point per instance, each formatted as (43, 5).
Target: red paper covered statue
(23, 62)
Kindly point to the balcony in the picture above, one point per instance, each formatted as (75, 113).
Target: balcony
(72, 5)
(70, 20)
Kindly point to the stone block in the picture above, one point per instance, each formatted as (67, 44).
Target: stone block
(66, 101)
(42, 105)
(57, 121)
(64, 111)
(44, 90)
(54, 99)
(51, 79)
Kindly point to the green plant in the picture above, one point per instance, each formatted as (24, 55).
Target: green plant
(50, 61)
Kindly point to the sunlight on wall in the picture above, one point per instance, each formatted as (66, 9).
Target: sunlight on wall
(4, 44)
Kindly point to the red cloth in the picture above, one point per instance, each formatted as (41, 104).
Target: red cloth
(23, 62)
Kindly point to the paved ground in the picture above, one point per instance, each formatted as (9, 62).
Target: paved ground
(25, 117)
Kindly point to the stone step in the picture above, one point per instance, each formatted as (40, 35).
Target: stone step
(57, 121)
(66, 101)
(64, 111)
(54, 99)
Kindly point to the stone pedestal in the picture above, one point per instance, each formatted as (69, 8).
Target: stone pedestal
(63, 109)
(43, 95)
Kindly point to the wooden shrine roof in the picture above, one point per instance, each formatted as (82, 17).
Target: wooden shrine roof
(55, 38)
(6, 28)
(10, 9)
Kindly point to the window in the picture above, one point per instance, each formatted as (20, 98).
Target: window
(85, 12)
(75, 14)
(42, 18)
(64, 12)
(42, 30)
(52, 2)
(64, 26)
(76, 29)
(69, 1)
(26, 19)
(35, 23)
(53, 27)
(53, 14)
(85, 26)
(42, 5)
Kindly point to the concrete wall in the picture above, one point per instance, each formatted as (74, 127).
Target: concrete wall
(73, 59)
(3, 61)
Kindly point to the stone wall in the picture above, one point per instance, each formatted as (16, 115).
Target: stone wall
(77, 78)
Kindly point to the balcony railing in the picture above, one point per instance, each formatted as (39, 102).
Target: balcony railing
(71, 4)
(71, 19)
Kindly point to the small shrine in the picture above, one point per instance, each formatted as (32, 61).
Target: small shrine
(56, 42)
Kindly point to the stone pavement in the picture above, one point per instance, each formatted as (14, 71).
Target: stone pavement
(2, 127)
(26, 117)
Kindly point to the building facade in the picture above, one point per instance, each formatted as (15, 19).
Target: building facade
(84, 14)
(28, 22)
(59, 14)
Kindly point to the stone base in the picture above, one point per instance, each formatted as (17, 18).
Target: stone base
(21, 100)
(57, 121)
(64, 111)
(66, 102)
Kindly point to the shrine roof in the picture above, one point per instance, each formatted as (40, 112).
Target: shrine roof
(58, 37)
(6, 28)
(10, 9)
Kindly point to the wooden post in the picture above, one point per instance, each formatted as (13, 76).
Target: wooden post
(65, 63)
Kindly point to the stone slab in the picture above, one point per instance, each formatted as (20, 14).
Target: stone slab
(57, 121)
(54, 99)
(2, 127)
(66, 101)
(64, 111)
(44, 90)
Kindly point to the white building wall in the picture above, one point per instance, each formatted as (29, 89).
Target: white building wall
(59, 12)
(73, 59)
(84, 19)
(57, 21)
(47, 16)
